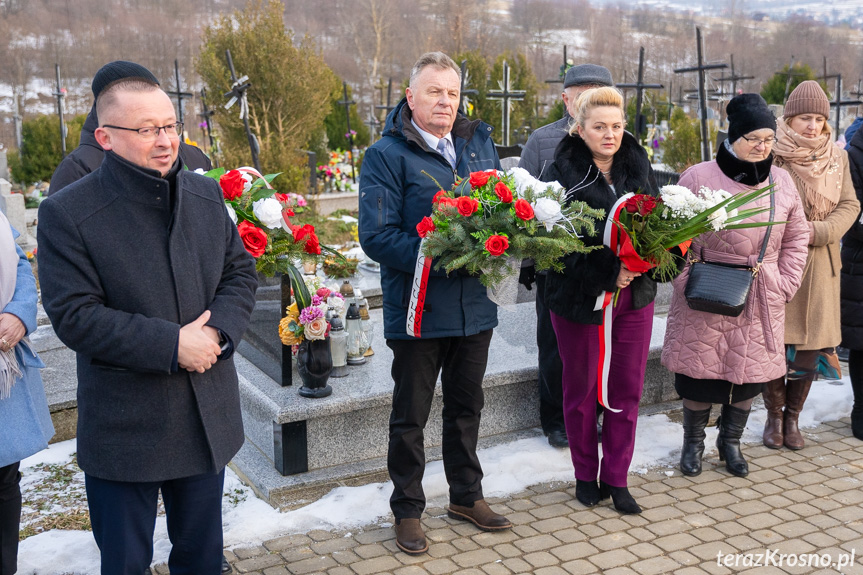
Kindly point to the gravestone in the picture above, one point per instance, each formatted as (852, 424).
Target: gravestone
(16, 214)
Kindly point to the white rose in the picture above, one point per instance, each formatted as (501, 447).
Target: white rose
(547, 211)
(231, 213)
(200, 171)
(269, 212)
(316, 329)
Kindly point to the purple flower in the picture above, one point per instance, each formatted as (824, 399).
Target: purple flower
(309, 314)
(317, 300)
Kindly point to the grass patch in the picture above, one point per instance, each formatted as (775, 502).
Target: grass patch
(54, 498)
(331, 232)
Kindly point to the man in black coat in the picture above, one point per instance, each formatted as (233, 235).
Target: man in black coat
(88, 155)
(144, 276)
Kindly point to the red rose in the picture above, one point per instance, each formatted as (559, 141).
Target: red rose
(439, 197)
(479, 179)
(503, 192)
(281, 197)
(642, 204)
(523, 210)
(496, 245)
(307, 232)
(232, 184)
(425, 226)
(254, 239)
(467, 206)
(444, 201)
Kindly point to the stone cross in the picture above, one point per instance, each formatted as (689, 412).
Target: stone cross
(839, 103)
(640, 87)
(179, 93)
(239, 86)
(388, 107)
(507, 96)
(347, 104)
(701, 68)
(60, 94)
(464, 90)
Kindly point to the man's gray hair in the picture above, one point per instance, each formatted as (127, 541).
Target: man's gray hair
(438, 60)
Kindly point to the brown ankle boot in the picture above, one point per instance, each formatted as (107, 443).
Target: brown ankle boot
(774, 401)
(796, 391)
(480, 514)
(410, 537)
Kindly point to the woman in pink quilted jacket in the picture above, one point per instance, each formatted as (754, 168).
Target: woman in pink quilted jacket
(723, 359)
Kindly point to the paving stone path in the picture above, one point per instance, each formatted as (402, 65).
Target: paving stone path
(808, 503)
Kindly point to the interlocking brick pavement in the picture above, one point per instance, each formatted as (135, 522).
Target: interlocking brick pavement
(804, 502)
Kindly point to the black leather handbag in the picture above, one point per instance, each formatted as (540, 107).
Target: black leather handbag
(723, 288)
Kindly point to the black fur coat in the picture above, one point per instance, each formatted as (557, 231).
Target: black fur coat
(572, 294)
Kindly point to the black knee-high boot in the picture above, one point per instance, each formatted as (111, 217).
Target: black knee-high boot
(10, 518)
(732, 422)
(694, 423)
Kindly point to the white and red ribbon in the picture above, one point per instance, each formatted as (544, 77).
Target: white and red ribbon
(418, 293)
(611, 238)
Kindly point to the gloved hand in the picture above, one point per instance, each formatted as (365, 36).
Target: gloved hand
(527, 277)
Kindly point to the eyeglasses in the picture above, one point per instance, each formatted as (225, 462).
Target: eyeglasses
(152, 132)
(755, 141)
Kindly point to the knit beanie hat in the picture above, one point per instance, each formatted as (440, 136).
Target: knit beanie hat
(807, 98)
(746, 113)
(119, 70)
(587, 75)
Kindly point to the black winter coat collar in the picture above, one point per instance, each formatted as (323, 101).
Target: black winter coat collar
(577, 172)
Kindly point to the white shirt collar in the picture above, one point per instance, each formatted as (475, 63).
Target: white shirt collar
(431, 139)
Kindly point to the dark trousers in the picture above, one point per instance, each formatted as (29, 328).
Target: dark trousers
(550, 375)
(461, 362)
(123, 515)
(10, 518)
(579, 348)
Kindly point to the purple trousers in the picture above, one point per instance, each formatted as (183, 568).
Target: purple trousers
(579, 349)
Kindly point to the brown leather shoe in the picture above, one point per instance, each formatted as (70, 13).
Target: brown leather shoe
(480, 514)
(410, 537)
(774, 401)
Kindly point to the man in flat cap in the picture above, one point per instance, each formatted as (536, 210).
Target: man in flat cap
(537, 156)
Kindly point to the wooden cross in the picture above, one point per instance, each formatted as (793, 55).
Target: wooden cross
(507, 96)
(238, 94)
(701, 68)
(639, 87)
(733, 78)
(178, 93)
(563, 68)
(60, 94)
(206, 115)
(464, 90)
(350, 136)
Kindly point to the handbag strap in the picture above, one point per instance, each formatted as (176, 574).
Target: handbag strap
(766, 235)
(772, 213)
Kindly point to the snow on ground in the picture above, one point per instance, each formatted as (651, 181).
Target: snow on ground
(509, 469)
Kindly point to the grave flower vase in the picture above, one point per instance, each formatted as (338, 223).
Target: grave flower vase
(314, 364)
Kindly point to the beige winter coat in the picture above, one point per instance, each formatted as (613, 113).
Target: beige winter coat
(812, 316)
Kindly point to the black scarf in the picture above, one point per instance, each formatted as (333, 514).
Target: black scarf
(747, 173)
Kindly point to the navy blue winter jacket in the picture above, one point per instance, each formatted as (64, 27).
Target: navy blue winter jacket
(395, 195)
